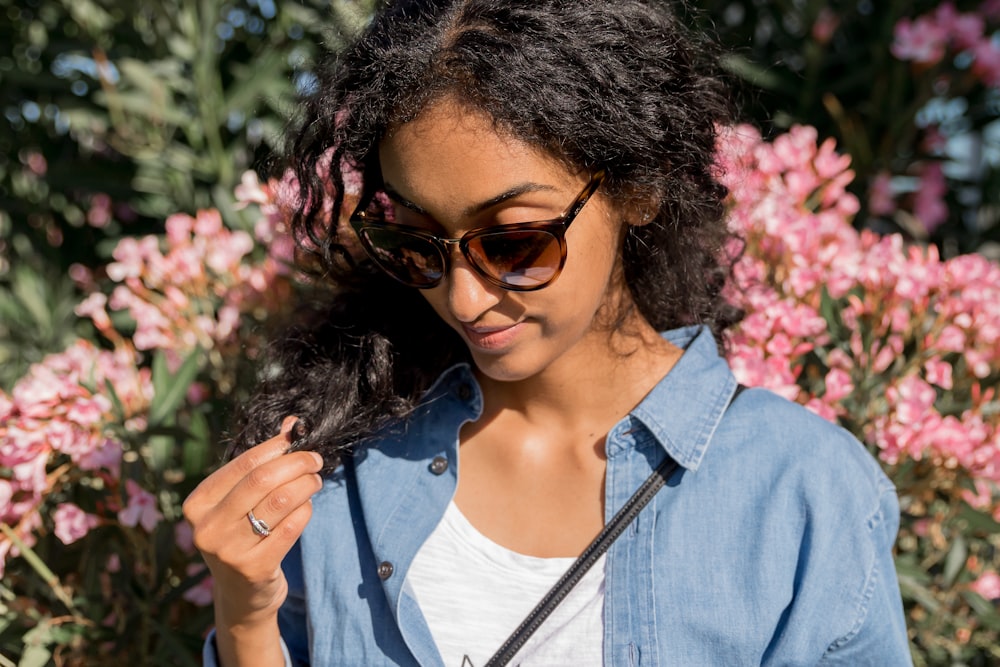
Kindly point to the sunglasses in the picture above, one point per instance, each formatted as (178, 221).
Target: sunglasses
(520, 257)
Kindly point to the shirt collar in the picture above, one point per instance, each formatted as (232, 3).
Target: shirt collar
(684, 409)
(681, 412)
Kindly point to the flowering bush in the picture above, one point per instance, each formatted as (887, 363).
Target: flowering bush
(99, 447)
(894, 343)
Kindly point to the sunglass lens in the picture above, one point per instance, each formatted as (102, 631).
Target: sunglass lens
(519, 259)
(409, 258)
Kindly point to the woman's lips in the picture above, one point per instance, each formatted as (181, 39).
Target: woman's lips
(491, 338)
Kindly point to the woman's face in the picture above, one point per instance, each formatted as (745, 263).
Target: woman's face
(452, 165)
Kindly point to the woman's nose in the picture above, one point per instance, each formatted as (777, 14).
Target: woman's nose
(469, 294)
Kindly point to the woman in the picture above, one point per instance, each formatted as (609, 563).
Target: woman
(526, 322)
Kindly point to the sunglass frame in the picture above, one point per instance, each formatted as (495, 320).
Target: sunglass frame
(360, 220)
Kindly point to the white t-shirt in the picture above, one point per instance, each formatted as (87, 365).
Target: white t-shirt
(474, 593)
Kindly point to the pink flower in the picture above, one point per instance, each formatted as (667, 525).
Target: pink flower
(825, 25)
(249, 191)
(952, 339)
(938, 372)
(141, 508)
(99, 214)
(94, 308)
(184, 536)
(986, 62)
(72, 523)
(107, 456)
(928, 203)
(838, 385)
(913, 398)
(131, 256)
(987, 585)
(921, 41)
(35, 162)
(964, 29)
(823, 409)
(880, 195)
(201, 593)
(114, 563)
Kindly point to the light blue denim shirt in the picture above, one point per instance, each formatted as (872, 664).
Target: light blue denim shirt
(771, 544)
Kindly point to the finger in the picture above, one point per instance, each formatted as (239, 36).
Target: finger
(272, 492)
(216, 486)
(284, 535)
(278, 506)
(262, 561)
(268, 481)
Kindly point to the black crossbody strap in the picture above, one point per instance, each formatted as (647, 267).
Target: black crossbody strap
(590, 555)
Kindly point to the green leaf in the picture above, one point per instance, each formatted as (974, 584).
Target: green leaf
(955, 560)
(35, 655)
(169, 389)
(47, 575)
(985, 612)
(911, 590)
(91, 16)
(170, 650)
(915, 574)
(767, 78)
(116, 401)
(195, 456)
(978, 521)
(161, 449)
(30, 292)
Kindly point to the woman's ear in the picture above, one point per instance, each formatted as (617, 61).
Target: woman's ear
(641, 211)
(644, 219)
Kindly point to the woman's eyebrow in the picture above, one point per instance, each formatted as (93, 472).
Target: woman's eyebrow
(516, 191)
(391, 193)
(475, 209)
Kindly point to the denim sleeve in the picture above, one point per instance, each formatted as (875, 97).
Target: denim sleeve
(879, 636)
(210, 656)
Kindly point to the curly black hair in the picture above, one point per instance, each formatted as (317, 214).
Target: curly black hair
(618, 85)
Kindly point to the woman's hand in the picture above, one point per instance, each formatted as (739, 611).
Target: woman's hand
(246, 565)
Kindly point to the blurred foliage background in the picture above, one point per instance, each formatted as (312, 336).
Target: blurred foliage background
(829, 64)
(117, 114)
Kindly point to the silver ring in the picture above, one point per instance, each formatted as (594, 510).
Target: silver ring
(259, 525)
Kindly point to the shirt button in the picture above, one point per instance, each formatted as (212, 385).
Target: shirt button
(439, 465)
(464, 391)
(384, 570)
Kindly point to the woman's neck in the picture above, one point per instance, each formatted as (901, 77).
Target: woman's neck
(589, 388)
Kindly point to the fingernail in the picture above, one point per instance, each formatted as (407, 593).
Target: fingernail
(299, 429)
(288, 423)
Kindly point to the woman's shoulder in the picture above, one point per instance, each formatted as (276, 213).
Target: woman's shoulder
(781, 438)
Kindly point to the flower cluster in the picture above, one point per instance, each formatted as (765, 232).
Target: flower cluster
(78, 432)
(194, 293)
(927, 39)
(858, 326)
(57, 418)
(278, 199)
